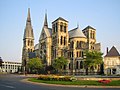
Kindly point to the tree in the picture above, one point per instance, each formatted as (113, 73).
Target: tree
(92, 60)
(59, 64)
(34, 65)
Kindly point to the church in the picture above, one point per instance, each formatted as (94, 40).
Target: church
(59, 41)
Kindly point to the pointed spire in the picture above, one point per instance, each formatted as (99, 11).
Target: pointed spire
(28, 17)
(28, 29)
(45, 21)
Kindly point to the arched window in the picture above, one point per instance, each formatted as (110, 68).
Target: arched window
(77, 65)
(72, 44)
(31, 43)
(64, 40)
(61, 40)
(77, 44)
(82, 53)
(80, 44)
(81, 64)
(65, 29)
(61, 27)
(91, 35)
(77, 54)
(28, 42)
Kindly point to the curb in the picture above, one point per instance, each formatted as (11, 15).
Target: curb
(58, 85)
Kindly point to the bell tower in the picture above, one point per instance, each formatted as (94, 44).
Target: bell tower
(28, 40)
(59, 37)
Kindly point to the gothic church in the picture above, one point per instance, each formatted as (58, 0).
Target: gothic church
(59, 41)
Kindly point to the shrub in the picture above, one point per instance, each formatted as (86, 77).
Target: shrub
(56, 78)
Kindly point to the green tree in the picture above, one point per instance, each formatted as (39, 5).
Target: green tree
(59, 64)
(34, 65)
(92, 59)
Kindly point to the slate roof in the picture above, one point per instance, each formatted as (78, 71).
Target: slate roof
(60, 18)
(28, 33)
(36, 46)
(76, 33)
(89, 27)
(113, 52)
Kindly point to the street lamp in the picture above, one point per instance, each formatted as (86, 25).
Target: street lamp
(1, 61)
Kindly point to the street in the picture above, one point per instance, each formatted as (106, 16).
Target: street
(13, 82)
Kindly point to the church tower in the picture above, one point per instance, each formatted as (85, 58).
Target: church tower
(28, 40)
(45, 43)
(59, 37)
(90, 33)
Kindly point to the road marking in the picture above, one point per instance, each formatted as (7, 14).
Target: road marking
(7, 86)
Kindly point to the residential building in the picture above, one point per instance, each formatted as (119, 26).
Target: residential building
(112, 62)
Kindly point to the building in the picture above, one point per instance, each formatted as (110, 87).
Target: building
(59, 41)
(112, 62)
(10, 67)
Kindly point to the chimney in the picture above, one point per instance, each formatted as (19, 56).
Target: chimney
(107, 50)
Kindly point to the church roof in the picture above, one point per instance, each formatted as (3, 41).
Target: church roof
(36, 46)
(50, 31)
(113, 52)
(60, 18)
(76, 33)
(89, 27)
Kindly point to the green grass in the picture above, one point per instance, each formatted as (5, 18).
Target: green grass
(82, 82)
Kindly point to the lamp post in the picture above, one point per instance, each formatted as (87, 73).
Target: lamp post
(1, 61)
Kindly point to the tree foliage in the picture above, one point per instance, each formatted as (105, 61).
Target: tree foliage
(34, 64)
(59, 63)
(93, 58)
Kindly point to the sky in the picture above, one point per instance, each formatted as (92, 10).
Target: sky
(103, 15)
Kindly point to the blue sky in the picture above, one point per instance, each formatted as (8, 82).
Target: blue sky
(104, 15)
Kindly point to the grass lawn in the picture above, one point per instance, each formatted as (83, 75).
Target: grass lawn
(82, 82)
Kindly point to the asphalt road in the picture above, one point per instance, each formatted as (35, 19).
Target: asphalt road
(13, 82)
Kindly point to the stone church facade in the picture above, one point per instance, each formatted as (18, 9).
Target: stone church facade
(59, 41)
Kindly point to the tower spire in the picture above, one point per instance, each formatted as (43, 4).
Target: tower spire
(28, 17)
(28, 29)
(45, 20)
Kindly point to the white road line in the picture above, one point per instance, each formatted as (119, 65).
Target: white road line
(7, 86)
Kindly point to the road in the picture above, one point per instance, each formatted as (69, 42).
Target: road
(13, 82)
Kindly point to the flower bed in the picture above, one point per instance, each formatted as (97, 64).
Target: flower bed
(56, 78)
(104, 81)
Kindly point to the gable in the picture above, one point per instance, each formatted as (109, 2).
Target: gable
(112, 53)
(45, 33)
